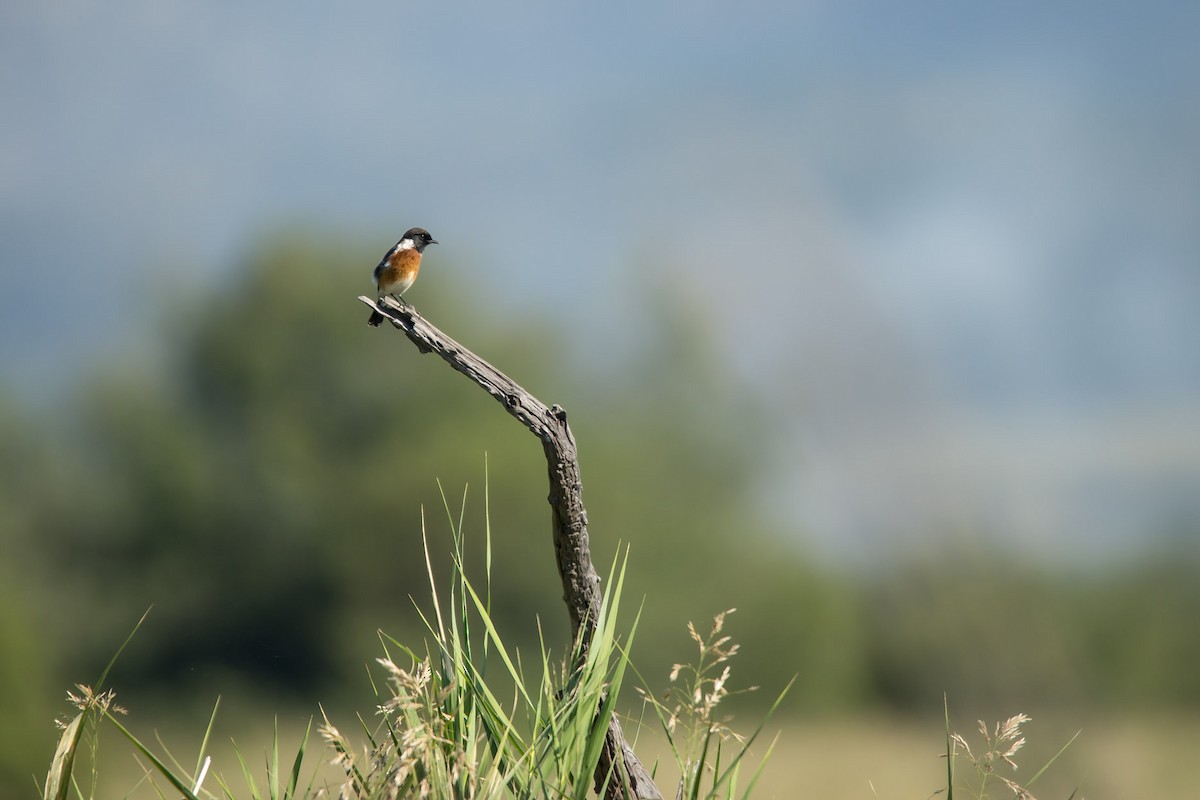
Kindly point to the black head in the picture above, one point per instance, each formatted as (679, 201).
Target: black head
(420, 238)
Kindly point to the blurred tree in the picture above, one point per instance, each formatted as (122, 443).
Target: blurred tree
(1140, 626)
(982, 630)
(264, 490)
(25, 685)
(991, 632)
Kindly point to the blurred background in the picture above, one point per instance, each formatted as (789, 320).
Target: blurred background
(876, 321)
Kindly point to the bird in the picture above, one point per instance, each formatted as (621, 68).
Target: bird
(399, 267)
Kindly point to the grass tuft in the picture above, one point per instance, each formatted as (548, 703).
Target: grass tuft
(996, 750)
(697, 736)
(464, 716)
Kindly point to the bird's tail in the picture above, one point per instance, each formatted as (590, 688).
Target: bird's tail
(375, 319)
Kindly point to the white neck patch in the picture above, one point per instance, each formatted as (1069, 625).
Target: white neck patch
(406, 244)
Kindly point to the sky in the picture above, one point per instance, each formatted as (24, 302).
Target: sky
(954, 246)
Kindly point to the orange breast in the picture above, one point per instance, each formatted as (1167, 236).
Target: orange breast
(399, 272)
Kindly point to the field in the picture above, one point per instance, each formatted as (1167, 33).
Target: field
(861, 758)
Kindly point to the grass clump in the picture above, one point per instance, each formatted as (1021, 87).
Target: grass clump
(698, 738)
(441, 729)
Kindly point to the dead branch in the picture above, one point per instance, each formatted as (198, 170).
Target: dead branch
(581, 584)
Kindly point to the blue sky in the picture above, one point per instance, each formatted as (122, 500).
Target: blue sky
(963, 237)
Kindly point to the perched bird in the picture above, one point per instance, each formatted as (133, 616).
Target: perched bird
(399, 268)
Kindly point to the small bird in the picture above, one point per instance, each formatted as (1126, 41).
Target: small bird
(399, 268)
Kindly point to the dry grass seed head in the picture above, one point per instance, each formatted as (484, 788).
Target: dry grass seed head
(961, 744)
(1011, 727)
(1017, 789)
(88, 699)
(1010, 731)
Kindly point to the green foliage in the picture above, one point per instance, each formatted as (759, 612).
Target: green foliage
(260, 489)
(24, 651)
(986, 630)
(1133, 624)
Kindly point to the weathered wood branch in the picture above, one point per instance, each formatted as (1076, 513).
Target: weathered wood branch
(581, 584)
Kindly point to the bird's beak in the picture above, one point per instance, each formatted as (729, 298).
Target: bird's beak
(433, 241)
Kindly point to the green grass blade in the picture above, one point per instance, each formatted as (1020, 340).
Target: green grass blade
(754, 736)
(294, 779)
(1046, 766)
(168, 755)
(698, 777)
(487, 539)
(717, 768)
(761, 765)
(384, 639)
(212, 720)
(596, 737)
(273, 766)
(166, 772)
(604, 718)
(949, 751)
(112, 661)
(247, 775)
(733, 773)
(433, 592)
(494, 634)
